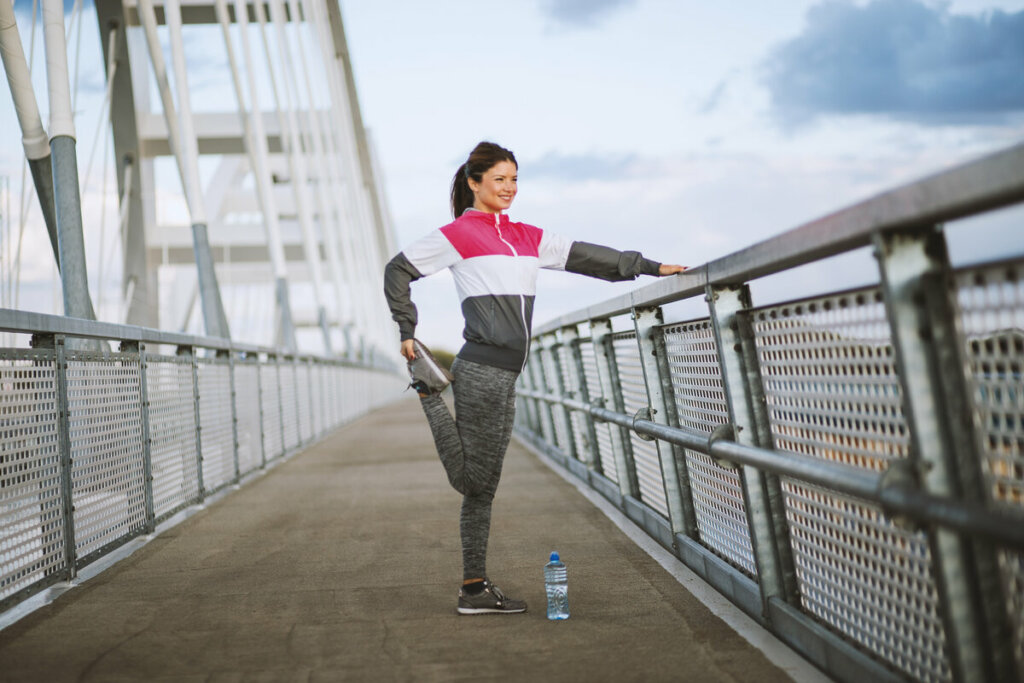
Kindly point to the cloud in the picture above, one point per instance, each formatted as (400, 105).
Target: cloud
(902, 59)
(581, 13)
(714, 97)
(581, 167)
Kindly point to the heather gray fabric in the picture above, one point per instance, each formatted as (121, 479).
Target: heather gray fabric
(472, 448)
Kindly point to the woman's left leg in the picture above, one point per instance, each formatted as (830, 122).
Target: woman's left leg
(475, 520)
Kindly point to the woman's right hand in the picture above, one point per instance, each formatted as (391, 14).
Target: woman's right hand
(407, 350)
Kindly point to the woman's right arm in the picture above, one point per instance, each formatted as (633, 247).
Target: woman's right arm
(399, 273)
(423, 257)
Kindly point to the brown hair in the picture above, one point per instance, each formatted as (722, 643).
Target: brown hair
(483, 157)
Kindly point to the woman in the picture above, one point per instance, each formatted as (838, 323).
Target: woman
(494, 263)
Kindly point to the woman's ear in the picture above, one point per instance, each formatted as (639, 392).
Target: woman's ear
(474, 186)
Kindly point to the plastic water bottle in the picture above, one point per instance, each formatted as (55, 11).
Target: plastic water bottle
(556, 583)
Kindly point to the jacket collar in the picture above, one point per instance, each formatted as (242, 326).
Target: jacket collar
(479, 215)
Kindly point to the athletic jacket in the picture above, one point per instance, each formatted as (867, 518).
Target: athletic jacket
(494, 262)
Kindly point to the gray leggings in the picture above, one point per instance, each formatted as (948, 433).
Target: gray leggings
(472, 448)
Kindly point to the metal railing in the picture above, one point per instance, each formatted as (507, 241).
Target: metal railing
(848, 468)
(98, 446)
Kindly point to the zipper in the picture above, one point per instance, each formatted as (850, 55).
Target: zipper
(522, 298)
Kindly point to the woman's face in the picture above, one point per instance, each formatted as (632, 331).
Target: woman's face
(496, 190)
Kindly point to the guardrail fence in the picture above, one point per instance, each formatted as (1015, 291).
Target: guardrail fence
(846, 468)
(98, 446)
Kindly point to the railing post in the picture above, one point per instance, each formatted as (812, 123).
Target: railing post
(259, 397)
(925, 321)
(234, 412)
(280, 402)
(147, 456)
(190, 351)
(532, 404)
(312, 400)
(744, 393)
(572, 360)
(611, 390)
(651, 339)
(64, 443)
(559, 413)
(298, 404)
(546, 424)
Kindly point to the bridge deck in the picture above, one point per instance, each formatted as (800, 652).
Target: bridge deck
(343, 563)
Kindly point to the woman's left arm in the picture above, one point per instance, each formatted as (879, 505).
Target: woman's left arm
(559, 253)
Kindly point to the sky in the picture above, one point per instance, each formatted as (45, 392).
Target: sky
(686, 130)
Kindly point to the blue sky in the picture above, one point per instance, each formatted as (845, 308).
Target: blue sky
(684, 129)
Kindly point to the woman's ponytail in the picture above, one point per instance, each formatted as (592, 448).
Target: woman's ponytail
(483, 157)
(462, 196)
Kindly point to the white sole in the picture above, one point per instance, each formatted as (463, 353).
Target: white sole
(488, 610)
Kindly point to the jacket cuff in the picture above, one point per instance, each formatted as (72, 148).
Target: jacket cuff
(406, 332)
(650, 267)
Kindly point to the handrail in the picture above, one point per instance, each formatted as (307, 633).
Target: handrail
(891, 493)
(28, 322)
(992, 182)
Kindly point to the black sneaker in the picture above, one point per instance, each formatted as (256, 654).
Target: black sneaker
(489, 601)
(428, 376)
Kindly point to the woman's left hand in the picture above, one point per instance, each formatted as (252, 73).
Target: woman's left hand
(666, 269)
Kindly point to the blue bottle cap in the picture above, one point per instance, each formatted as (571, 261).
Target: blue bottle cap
(555, 557)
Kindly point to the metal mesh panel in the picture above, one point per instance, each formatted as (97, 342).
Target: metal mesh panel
(524, 417)
(634, 396)
(701, 406)
(31, 510)
(305, 407)
(535, 406)
(321, 398)
(328, 397)
(105, 430)
(345, 393)
(992, 302)
(535, 368)
(334, 392)
(577, 420)
(271, 401)
(247, 407)
(552, 379)
(604, 440)
(289, 405)
(833, 393)
(172, 433)
(215, 421)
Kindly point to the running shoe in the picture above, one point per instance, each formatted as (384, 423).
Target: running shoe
(428, 376)
(489, 601)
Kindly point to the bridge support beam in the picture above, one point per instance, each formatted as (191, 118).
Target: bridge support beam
(572, 361)
(762, 493)
(611, 391)
(650, 337)
(559, 413)
(925, 320)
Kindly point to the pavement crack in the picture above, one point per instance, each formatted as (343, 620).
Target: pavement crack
(87, 671)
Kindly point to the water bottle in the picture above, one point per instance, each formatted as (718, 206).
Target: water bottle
(556, 583)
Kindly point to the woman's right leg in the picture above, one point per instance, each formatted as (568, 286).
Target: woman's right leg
(466, 443)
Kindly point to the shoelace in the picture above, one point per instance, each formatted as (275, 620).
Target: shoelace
(495, 591)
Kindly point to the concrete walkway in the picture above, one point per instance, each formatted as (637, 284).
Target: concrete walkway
(343, 564)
